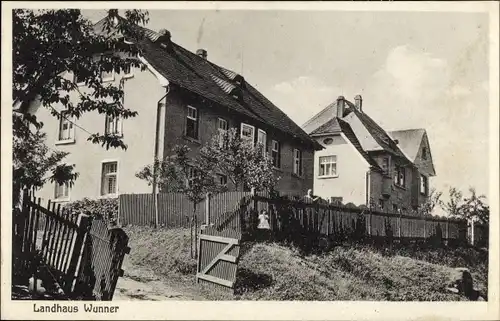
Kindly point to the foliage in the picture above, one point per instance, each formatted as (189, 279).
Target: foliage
(225, 154)
(32, 161)
(470, 207)
(433, 200)
(107, 207)
(181, 173)
(244, 164)
(64, 41)
(475, 207)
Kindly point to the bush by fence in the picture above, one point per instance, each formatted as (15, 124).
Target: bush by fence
(107, 207)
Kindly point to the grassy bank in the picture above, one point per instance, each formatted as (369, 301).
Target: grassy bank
(348, 272)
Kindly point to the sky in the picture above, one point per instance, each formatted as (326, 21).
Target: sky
(413, 69)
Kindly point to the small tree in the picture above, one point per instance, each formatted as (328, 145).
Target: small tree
(454, 206)
(33, 164)
(180, 173)
(433, 200)
(244, 164)
(471, 207)
(475, 207)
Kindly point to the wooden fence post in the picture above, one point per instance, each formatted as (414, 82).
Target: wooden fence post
(399, 227)
(425, 228)
(207, 209)
(83, 225)
(472, 234)
(254, 218)
(447, 231)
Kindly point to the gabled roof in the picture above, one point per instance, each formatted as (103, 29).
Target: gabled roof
(200, 76)
(378, 133)
(409, 140)
(337, 125)
(330, 127)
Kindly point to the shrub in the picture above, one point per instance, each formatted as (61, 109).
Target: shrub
(106, 207)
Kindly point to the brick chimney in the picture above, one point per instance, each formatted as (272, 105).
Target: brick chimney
(165, 39)
(359, 102)
(340, 106)
(165, 35)
(202, 53)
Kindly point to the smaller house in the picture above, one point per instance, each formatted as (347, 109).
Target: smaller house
(363, 164)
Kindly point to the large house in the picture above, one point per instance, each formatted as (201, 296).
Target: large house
(363, 164)
(181, 98)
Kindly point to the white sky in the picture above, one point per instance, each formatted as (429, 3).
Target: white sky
(414, 70)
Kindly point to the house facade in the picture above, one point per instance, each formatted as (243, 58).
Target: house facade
(181, 98)
(363, 164)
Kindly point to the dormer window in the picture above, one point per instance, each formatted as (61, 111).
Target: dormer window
(424, 153)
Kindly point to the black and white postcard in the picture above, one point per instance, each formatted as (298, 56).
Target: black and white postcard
(237, 160)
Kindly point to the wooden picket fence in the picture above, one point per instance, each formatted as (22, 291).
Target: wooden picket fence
(83, 256)
(308, 224)
(338, 222)
(174, 209)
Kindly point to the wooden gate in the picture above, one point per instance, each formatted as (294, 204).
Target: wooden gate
(219, 249)
(218, 259)
(103, 255)
(83, 256)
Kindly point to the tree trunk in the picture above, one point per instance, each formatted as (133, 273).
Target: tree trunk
(195, 244)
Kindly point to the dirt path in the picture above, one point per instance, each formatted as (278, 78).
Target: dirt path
(140, 283)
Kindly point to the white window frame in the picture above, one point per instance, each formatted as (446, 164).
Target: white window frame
(118, 124)
(130, 74)
(196, 120)
(102, 176)
(221, 177)
(276, 148)
(398, 171)
(245, 138)
(261, 133)
(71, 130)
(191, 175)
(64, 198)
(221, 130)
(109, 78)
(331, 163)
(297, 162)
(424, 183)
(222, 121)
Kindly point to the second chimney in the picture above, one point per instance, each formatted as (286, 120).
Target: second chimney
(202, 53)
(359, 102)
(340, 106)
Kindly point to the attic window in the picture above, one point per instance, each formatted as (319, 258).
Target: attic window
(424, 153)
(328, 141)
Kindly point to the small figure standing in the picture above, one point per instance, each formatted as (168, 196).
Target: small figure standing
(309, 196)
(263, 228)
